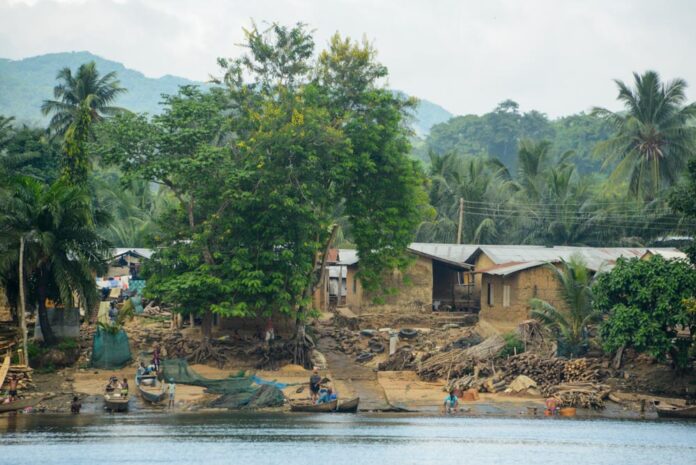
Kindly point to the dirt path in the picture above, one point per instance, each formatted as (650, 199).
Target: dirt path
(362, 381)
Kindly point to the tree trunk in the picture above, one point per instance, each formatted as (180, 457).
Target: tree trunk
(207, 325)
(46, 330)
(22, 304)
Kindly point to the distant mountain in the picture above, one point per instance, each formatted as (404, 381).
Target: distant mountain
(25, 84)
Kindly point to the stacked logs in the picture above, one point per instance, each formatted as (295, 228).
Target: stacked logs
(580, 370)
(459, 362)
(545, 371)
(579, 394)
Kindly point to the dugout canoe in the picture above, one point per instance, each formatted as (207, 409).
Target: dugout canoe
(348, 406)
(307, 407)
(673, 411)
(151, 393)
(20, 404)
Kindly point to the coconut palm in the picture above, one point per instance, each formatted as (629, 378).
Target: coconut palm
(62, 250)
(575, 290)
(84, 87)
(653, 138)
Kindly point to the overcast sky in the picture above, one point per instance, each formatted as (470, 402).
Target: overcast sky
(556, 56)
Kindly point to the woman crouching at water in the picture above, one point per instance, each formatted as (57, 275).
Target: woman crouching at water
(451, 403)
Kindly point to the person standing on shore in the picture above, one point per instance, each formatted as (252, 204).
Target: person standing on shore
(171, 388)
(156, 357)
(314, 385)
(14, 381)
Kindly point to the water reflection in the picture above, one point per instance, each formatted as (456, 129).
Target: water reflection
(339, 439)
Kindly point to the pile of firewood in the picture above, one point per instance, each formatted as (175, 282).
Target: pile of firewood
(579, 394)
(23, 374)
(580, 370)
(459, 362)
(545, 371)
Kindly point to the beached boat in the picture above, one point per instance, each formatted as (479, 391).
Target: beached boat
(348, 406)
(309, 407)
(150, 388)
(673, 411)
(20, 404)
(115, 402)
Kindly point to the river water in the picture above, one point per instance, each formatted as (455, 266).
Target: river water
(332, 439)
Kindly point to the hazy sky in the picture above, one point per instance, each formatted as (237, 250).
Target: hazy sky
(557, 56)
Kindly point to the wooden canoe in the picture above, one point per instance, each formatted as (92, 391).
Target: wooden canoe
(348, 406)
(672, 411)
(153, 394)
(307, 407)
(19, 404)
(115, 402)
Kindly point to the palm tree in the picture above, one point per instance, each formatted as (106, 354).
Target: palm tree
(653, 138)
(62, 250)
(575, 290)
(85, 87)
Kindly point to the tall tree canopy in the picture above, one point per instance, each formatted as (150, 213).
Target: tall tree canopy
(85, 88)
(259, 164)
(654, 137)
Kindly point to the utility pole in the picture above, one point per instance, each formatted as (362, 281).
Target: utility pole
(461, 220)
(22, 304)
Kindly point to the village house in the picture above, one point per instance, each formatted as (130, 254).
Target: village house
(496, 281)
(507, 277)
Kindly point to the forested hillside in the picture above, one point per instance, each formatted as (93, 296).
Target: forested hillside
(498, 133)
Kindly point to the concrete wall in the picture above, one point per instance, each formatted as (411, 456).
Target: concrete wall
(354, 294)
(536, 282)
(482, 262)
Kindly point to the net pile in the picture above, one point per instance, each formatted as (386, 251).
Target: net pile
(110, 350)
(237, 392)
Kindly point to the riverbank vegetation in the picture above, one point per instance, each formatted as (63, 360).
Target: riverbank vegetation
(243, 186)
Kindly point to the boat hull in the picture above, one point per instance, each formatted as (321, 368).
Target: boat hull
(115, 404)
(314, 408)
(153, 397)
(19, 405)
(349, 406)
(676, 412)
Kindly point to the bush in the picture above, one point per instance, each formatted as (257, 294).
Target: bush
(513, 345)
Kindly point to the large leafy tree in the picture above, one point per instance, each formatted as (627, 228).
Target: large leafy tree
(575, 291)
(83, 90)
(259, 166)
(646, 303)
(62, 251)
(653, 136)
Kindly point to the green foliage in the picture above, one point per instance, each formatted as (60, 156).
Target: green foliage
(682, 200)
(646, 303)
(570, 322)
(62, 249)
(654, 136)
(67, 344)
(513, 345)
(84, 95)
(258, 166)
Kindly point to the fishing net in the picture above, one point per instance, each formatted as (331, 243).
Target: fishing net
(237, 392)
(110, 350)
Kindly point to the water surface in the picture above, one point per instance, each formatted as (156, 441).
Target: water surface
(340, 439)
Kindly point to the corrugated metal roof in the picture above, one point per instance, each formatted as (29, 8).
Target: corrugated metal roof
(456, 254)
(117, 252)
(511, 268)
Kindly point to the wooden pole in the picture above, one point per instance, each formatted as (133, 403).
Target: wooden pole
(461, 220)
(22, 304)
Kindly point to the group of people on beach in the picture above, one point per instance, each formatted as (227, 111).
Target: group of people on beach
(320, 393)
